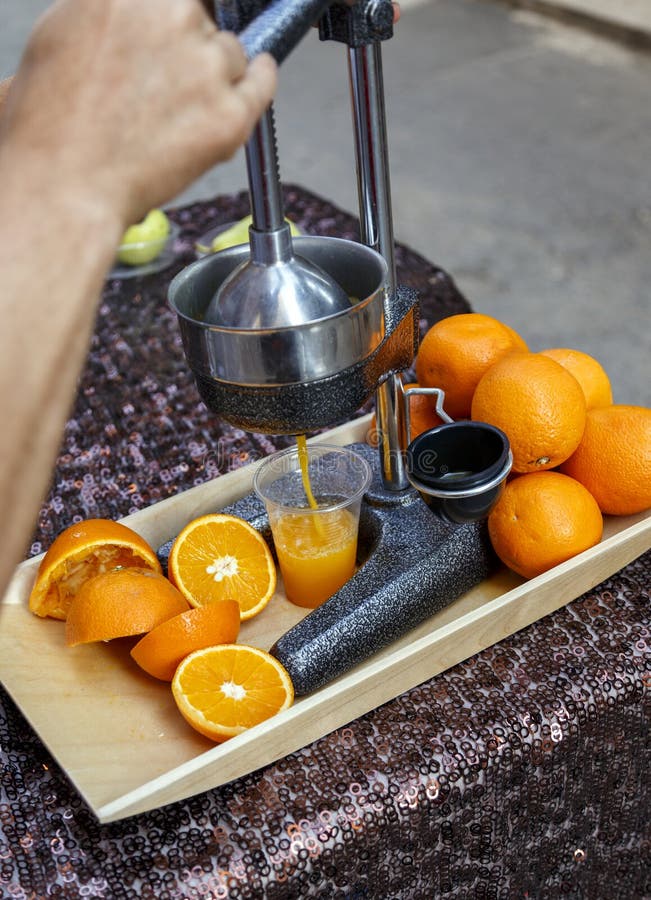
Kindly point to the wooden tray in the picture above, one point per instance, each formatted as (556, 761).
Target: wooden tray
(117, 733)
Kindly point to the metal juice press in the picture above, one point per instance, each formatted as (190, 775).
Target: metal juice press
(274, 340)
(287, 336)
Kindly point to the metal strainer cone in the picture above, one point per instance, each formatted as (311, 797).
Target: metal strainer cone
(274, 287)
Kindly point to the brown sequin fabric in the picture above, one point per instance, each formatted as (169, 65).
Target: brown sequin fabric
(522, 772)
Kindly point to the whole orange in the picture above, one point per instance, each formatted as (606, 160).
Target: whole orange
(588, 372)
(613, 460)
(538, 404)
(541, 520)
(518, 341)
(457, 351)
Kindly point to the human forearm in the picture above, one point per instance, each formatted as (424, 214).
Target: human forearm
(4, 90)
(69, 242)
(116, 108)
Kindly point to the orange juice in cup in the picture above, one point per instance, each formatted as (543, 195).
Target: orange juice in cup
(315, 537)
(315, 562)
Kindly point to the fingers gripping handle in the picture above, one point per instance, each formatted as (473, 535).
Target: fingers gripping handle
(280, 26)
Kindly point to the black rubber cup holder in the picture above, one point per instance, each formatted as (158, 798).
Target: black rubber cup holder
(459, 469)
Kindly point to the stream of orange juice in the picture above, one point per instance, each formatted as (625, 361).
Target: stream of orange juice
(301, 446)
(316, 551)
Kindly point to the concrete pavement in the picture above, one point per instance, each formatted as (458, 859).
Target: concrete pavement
(628, 22)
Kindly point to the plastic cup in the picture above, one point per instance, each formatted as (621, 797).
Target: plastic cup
(316, 547)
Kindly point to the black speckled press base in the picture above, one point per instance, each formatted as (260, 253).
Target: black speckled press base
(412, 565)
(415, 565)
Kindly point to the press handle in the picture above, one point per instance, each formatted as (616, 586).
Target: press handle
(280, 26)
(429, 392)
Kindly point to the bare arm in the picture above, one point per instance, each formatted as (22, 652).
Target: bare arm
(116, 107)
(4, 90)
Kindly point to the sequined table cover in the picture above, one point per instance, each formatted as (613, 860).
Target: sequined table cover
(522, 772)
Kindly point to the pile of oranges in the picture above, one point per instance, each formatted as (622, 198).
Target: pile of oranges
(576, 455)
(106, 582)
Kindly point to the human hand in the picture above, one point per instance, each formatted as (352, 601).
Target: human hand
(132, 101)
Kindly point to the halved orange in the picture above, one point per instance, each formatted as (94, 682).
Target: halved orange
(121, 603)
(80, 552)
(221, 691)
(221, 557)
(160, 652)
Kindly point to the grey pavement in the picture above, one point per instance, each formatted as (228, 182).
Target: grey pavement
(520, 152)
(628, 22)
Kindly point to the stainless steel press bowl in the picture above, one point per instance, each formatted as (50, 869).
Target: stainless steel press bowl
(261, 357)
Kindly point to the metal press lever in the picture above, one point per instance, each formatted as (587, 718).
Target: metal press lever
(279, 27)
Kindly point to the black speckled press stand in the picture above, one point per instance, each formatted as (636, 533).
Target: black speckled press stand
(412, 565)
(415, 565)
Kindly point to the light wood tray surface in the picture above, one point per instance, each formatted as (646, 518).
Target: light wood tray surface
(117, 733)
